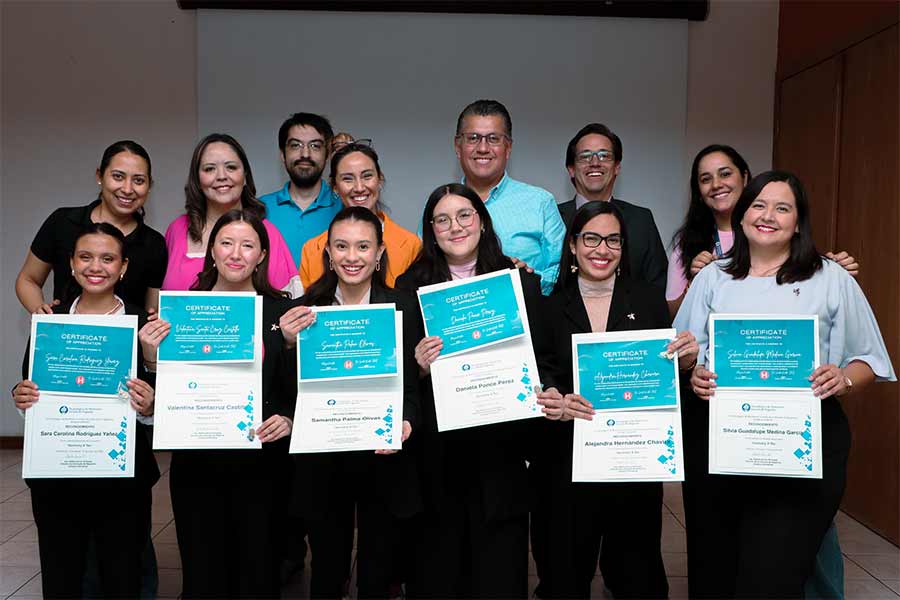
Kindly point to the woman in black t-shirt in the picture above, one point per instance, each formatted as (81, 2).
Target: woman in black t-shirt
(124, 177)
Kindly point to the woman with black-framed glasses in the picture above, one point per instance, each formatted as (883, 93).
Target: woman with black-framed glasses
(570, 520)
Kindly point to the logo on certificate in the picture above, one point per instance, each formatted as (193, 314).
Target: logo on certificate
(466, 367)
(476, 335)
(627, 395)
(348, 364)
(331, 402)
(611, 422)
(63, 409)
(192, 385)
(79, 380)
(763, 375)
(745, 407)
(207, 348)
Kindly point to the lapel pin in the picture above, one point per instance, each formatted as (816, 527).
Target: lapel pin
(275, 327)
(796, 291)
(631, 316)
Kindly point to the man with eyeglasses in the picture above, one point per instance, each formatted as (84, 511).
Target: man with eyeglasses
(593, 159)
(304, 207)
(525, 217)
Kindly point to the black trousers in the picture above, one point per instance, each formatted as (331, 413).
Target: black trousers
(225, 534)
(757, 537)
(118, 522)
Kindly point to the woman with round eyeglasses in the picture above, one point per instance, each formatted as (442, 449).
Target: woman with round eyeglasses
(472, 539)
(594, 293)
(356, 177)
(761, 534)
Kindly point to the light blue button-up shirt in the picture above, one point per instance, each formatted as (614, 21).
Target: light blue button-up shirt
(297, 225)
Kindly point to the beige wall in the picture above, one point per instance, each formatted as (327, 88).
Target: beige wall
(79, 75)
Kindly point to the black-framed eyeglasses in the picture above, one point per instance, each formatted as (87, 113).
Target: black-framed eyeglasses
(473, 139)
(312, 146)
(593, 240)
(443, 223)
(335, 146)
(602, 155)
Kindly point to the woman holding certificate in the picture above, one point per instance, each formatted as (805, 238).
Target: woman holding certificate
(380, 487)
(473, 536)
(114, 512)
(594, 294)
(224, 500)
(761, 540)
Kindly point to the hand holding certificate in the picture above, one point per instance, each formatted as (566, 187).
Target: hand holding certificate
(83, 425)
(764, 418)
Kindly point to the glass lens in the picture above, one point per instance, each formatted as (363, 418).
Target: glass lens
(441, 222)
(614, 242)
(465, 218)
(591, 240)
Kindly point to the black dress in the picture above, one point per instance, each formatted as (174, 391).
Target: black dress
(224, 500)
(115, 513)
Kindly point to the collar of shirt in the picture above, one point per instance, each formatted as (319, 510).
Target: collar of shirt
(581, 201)
(497, 189)
(325, 197)
(339, 297)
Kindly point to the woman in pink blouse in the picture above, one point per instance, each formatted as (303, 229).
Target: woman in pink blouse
(219, 180)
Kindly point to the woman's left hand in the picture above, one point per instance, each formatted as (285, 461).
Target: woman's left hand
(294, 321)
(274, 428)
(142, 397)
(828, 380)
(685, 344)
(407, 431)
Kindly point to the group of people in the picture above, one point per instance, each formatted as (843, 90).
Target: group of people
(452, 513)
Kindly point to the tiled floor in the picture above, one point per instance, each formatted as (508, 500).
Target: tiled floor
(871, 564)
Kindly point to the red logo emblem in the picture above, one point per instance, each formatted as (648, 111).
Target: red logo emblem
(476, 335)
(207, 349)
(79, 380)
(763, 375)
(627, 395)
(348, 364)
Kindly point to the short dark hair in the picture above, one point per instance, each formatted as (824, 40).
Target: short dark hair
(587, 212)
(804, 259)
(485, 108)
(596, 129)
(317, 122)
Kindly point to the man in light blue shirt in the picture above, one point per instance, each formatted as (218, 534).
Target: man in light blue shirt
(305, 206)
(525, 217)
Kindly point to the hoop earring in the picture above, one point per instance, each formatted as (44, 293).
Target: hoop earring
(378, 265)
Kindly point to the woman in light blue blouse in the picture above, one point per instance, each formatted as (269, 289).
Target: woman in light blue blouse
(767, 529)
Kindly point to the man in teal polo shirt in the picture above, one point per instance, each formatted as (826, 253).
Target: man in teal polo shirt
(304, 207)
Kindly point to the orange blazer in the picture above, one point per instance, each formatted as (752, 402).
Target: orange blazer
(402, 247)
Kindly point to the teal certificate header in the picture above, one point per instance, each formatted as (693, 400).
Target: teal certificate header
(473, 312)
(349, 342)
(208, 327)
(626, 374)
(763, 352)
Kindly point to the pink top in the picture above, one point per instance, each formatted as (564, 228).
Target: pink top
(675, 281)
(182, 270)
(463, 271)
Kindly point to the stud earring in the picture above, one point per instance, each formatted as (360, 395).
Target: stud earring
(574, 268)
(618, 271)
(331, 265)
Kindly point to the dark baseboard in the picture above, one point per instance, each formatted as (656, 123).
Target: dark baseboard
(11, 442)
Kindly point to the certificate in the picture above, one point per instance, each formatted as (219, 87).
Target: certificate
(626, 370)
(474, 312)
(640, 445)
(488, 382)
(355, 412)
(210, 406)
(349, 341)
(764, 418)
(208, 327)
(83, 425)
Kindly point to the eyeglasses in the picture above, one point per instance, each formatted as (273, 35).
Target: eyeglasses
(593, 240)
(313, 146)
(335, 146)
(473, 139)
(443, 223)
(602, 156)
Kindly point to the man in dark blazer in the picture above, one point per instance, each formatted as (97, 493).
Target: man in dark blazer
(593, 159)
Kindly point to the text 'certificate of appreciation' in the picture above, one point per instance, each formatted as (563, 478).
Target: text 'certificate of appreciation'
(357, 402)
(83, 425)
(212, 404)
(208, 327)
(764, 418)
(632, 384)
(489, 374)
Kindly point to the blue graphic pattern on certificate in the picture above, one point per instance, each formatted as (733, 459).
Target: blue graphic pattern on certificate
(804, 452)
(208, 328)
(473, 314)
(627, 375)
(764, 353)
(349, 343)
(118, 454)
(81, 359)
(667, 459)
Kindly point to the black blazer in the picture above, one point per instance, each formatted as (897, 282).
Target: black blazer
(393, 478)
(648, 260)
(487, 463)
(146, 471)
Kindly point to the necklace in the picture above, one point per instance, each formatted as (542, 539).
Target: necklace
(114, 309)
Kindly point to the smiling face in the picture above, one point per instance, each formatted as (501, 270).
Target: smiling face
(221, 175)
(353, 250)
(594, 178)
(483, 163)
(125, 184)
(304, 155)
(236, 252)
(97, 263)
(771, 219)
(357, 181)
(459, 241)
(720, 182)
(600, 263)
